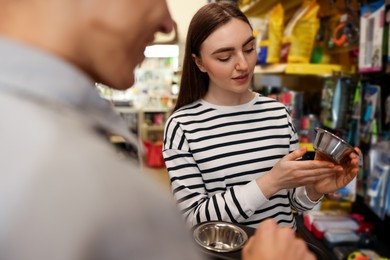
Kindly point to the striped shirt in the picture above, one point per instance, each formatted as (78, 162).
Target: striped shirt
(214, 154)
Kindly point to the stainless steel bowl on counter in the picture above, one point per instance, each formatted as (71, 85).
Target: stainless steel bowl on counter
(220, 236)
(332, 146)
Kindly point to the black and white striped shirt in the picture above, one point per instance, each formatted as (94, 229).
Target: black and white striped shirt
(215, 153)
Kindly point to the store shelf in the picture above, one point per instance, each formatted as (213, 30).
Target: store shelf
(156, 109)
(151, 123)
(154, 127)
(319, 69)
(147, 122)
(125, 110)
(305, 69)
(270, 69)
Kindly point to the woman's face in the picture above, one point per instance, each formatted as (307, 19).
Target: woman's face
(229, 56)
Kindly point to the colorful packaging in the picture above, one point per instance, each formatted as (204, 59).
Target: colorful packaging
(303, 35)
(275, 34)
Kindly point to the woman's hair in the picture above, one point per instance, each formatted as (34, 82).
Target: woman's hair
(194, 83)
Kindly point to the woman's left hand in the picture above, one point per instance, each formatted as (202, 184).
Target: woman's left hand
(344, 174)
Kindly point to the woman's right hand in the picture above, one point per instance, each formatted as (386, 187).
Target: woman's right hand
(291, 173)
(273, 242)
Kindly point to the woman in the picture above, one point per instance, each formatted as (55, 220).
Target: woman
(231, 153)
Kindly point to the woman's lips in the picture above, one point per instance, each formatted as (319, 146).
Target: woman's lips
(242, 79)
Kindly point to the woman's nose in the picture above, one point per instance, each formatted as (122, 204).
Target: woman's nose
(242, 63)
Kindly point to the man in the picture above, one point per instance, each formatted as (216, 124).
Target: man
(64, 192)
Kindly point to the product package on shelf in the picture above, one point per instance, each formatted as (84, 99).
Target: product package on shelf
(275, 34)
(378, 182)
(371, 36)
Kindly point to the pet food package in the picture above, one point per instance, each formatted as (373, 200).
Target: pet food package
(303, 33)
(275, 34)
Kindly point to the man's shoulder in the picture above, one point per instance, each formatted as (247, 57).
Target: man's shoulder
(56, 134)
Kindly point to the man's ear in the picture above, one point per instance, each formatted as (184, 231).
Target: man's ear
(198, 62)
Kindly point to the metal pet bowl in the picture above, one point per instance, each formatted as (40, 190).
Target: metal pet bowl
(332, 146)
(220, 236)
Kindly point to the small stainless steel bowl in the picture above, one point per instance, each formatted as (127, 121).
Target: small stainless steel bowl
(332, 146)
(220, 236)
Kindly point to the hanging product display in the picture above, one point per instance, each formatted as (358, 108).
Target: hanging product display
(370, 112)
(371, 36)
(335, 103)
(385, 108)
(343, 31)
(354, 124)
(378, 187)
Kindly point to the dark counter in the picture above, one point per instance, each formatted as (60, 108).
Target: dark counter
(321, 252)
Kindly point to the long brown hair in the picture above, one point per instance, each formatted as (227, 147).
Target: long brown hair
(194, 83)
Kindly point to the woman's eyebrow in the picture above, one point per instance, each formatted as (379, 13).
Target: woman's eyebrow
(225, 49)
(249, 40)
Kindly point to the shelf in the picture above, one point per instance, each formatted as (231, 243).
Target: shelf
(151, 123)
(319, 69)
(153, 127)
(270, 69)
(126, 110)
(305, 69)
(155, 110)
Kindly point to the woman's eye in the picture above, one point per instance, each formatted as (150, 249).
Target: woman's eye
(224, 59)
(249, 50)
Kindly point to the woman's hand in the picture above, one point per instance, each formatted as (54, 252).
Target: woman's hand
(339, 179)
(290, 173)
(273, 242)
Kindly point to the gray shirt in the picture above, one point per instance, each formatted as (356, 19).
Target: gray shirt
(64, 191)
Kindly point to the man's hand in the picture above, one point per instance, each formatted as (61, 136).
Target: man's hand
(272, 242)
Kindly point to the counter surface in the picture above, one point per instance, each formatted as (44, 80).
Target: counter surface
(321, 252)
